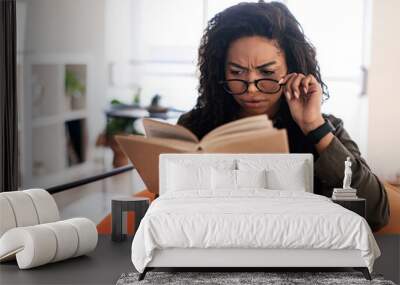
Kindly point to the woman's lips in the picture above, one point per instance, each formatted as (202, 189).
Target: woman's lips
(253, 104)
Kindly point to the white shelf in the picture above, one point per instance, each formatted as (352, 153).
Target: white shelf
(46, 80)
(45, 121)
(56, 119)
(55, 122)
(75, 115)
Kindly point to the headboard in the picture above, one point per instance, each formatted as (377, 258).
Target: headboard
(281, 163)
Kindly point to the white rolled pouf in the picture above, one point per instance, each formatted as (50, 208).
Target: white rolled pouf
(7, 217)
(46, 207)
(87, 234)
(40, 244)
(23, 208)
(31, 233)
(32, 246)
(67, 240)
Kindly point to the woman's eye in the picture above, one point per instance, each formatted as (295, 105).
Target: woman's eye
(236, 72)
(267, 72)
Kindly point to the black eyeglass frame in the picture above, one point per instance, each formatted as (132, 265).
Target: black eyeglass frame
(223, 82)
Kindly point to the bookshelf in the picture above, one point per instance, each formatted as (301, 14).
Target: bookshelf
(54, 128)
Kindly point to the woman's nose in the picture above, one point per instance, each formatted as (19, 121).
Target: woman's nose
(252, 86)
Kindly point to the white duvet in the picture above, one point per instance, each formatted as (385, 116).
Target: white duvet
(250, 219)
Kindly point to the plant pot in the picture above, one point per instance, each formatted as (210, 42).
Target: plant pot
(120, 158)
(78, 101)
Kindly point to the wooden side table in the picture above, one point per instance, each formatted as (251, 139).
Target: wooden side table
(357, 205)
(119, 208)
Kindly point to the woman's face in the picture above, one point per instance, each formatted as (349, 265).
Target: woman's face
(252, 58)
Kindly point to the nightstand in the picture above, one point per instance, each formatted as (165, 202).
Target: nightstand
(119, 208)
(357, 205)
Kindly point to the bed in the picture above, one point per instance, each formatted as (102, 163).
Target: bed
(247, 210)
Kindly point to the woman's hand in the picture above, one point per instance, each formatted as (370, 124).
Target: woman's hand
(303, 94)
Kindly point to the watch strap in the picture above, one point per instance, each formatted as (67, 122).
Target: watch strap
(316, 135)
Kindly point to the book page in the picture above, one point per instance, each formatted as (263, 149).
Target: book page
(245, 124)
(144, 153)
(258, 141)
(157, 129)
(243, 127)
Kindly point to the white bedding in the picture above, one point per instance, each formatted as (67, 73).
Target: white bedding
(251, 218)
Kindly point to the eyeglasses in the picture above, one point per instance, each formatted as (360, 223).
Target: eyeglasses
(239, 86)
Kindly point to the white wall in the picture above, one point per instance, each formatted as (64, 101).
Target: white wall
(384, 90)
(72, 27)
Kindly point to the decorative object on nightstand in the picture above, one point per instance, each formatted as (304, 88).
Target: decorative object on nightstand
(120, 206)
(347, 196)
(346, 192)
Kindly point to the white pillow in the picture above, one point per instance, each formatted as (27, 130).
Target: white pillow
(183, 177)
(251, 178)
(281, 174)
(293, 180)
(223, 179)
(227, 179)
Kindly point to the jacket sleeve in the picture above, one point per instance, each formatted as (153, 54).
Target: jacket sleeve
(329, 168)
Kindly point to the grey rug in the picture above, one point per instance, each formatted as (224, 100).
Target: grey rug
(230, 278)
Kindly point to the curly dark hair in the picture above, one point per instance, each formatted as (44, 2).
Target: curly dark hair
(272, 20)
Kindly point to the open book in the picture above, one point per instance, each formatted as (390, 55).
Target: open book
(249, 135)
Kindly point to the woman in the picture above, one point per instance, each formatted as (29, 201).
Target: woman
(254, 59)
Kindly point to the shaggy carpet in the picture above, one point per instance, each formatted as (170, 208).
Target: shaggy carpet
(231, 278)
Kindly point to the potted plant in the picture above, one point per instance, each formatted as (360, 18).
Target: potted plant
(74, 90)
(115, 126)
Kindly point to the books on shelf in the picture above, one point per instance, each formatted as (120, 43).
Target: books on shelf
(254, 134)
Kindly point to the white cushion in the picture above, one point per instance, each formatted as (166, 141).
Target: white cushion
(281, 174)
(26, 208)
(174, 172)
(34, 244)
(230, 180)
(223, 179)
(7, 218)
(293, 180)
(23, 208)
(183, 177)
(251, 178)
(67, 239)
(284, 163)
(40, 244)
(46, 207)
(87, 233)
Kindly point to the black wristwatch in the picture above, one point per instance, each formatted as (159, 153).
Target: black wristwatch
(316, 135)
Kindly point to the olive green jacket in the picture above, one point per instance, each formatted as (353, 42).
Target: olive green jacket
(329, 165)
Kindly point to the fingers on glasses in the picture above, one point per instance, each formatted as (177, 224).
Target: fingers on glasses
(296, 85)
